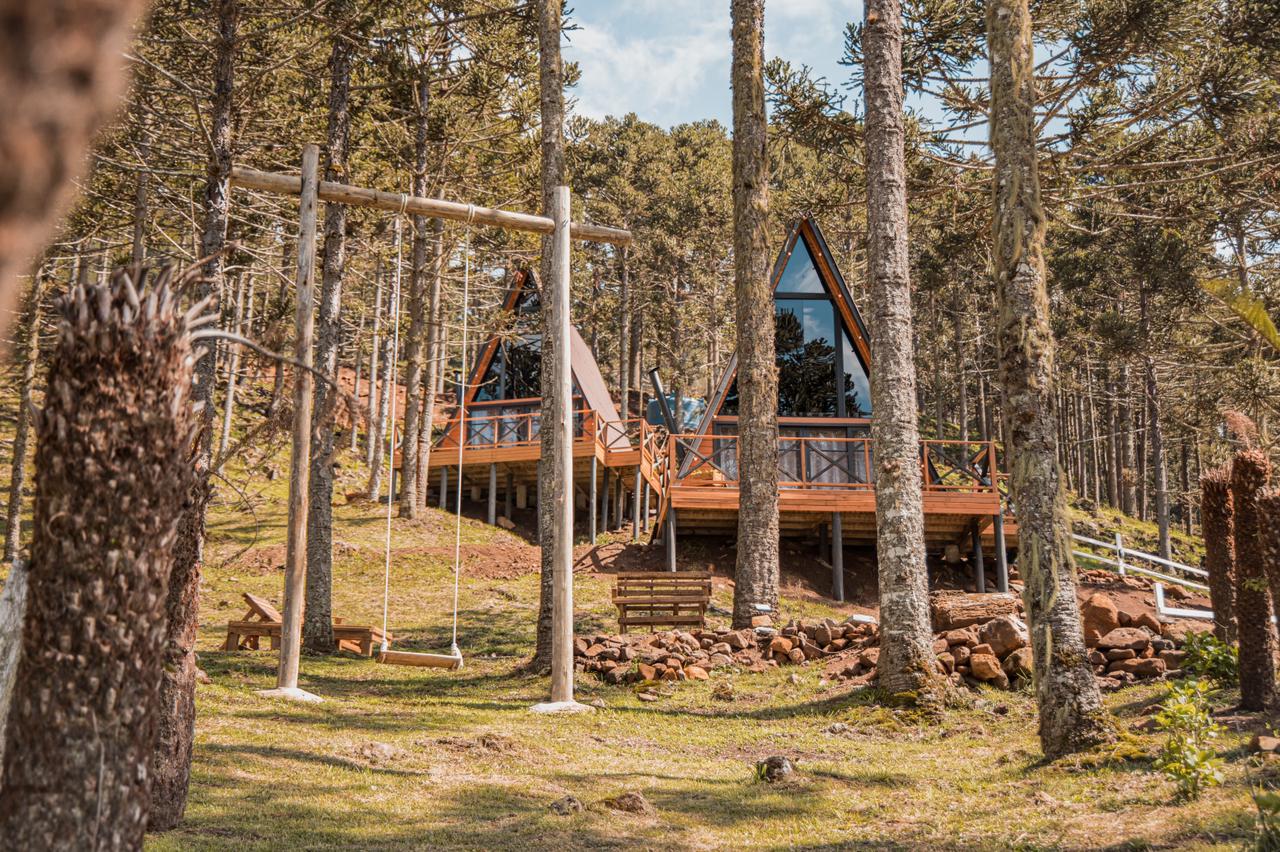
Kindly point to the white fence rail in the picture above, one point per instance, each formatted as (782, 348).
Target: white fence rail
(1125, 560)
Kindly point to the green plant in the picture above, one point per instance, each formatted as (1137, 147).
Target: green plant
(1267, 838)
(1210, 657)
(1187, 757)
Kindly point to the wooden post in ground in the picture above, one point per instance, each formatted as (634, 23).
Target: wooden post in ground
(604, 502)
(1002, 555)
(493, 493)
(591, 500)
(837, 556)
(295, 567)
(444, 488)
(562, 477)
(979, 564)
(669, 539)
(635, 508)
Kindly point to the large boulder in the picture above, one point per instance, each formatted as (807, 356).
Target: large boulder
(985, 667)
(1099, 616)
(1019, 664)
(1004, 634)
(1134, 638)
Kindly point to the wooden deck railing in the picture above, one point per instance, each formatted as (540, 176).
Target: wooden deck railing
(826, 462)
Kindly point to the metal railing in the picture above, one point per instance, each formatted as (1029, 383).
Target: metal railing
(1124, 560)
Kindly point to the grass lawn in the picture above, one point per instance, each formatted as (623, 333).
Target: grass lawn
(402, 758)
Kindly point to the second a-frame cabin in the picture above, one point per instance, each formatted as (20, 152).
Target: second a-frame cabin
(825, 452)
(499, 423)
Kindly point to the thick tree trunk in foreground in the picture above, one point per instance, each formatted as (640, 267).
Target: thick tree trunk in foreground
(417, 321)
(1269, 538)
(113, 465)
(61, 78)
(171, 763)
(435, 345)
(1249, 473)
(756, 572)
(13, 609)
(907, 662)
(551, 98)
(317, 624)
(18, 476)
(1218, 528)
(1072, 717)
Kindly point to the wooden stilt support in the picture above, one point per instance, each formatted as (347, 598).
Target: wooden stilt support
(295, 566)
(837, 557)
(1002, 555)
(669, 538)
(604, 502)
(635, 507)
(644, 510)
(591, 501)
(493, 494)
(444, 488)
(979, 564)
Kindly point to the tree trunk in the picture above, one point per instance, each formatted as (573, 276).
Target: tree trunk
(61, 77)
(86, 699)
(962, 386)
(1072, 717)
(358, 363)
(756, 572)
(233, 368)
(171, 764)
(409, 501)
(371, 410)
(381, 422)
(1218, 528)
(1249, 473)
(1159, 468)
(551, 101)
(1128, 472)
(1113, 458)
(317, 625)
(13, 609)
(624, 331)
(907, 662)
(18, 476)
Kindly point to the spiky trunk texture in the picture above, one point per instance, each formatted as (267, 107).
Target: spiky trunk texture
(171, 763)
(1250, 470)
(317, 624)
(1269, 539)
(417, 321)
(907, 662)
(1217, 525)
(114, 468)
(61, 78)
(756, 571)
(551, 99)
(1072, 717)
(18, 476)
(13, 609)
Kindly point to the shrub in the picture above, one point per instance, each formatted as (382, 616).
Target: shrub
(1187, 758)
(1267, 838)
(1210, 657)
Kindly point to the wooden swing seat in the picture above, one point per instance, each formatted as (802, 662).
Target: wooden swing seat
(420, 659)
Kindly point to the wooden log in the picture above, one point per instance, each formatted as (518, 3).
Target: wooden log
(949, 611)
(454, 211)
(295, 570)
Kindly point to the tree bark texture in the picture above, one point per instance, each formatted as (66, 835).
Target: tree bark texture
(417, 293)
(13, 609)
(551, 101)
(317, 625)
(756, 572)
(1128, 466)
(907, 662)
(114, 468)
(171, 762)
(22, 430)
(1072, 717)
(62, 74)
(1218, 529)
(1249, 473)
(435, 345)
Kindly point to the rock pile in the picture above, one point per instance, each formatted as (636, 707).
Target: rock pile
(1126, 654)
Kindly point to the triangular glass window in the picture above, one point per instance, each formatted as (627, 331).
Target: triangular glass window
(800, 274)
(514, 372)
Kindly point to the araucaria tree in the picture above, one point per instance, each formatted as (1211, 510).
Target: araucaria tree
(756, 574)
(1249, 472)
(907, 662)
(114, 467)
(1217, 521)
(1071, 713)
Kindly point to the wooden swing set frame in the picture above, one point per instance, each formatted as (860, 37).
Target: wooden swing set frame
(310, 190)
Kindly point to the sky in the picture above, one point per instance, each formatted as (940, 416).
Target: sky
(668, 60)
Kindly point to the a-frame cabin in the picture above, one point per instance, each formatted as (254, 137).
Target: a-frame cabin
(825, 452)
(501, 419)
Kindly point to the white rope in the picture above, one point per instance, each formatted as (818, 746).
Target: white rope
(462, 430)
(391, 436)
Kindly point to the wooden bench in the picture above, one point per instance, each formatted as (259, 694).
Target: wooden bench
(264, 620)
(662, 598)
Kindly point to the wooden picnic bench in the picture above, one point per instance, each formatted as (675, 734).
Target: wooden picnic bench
(662, 598)
(264, 620)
